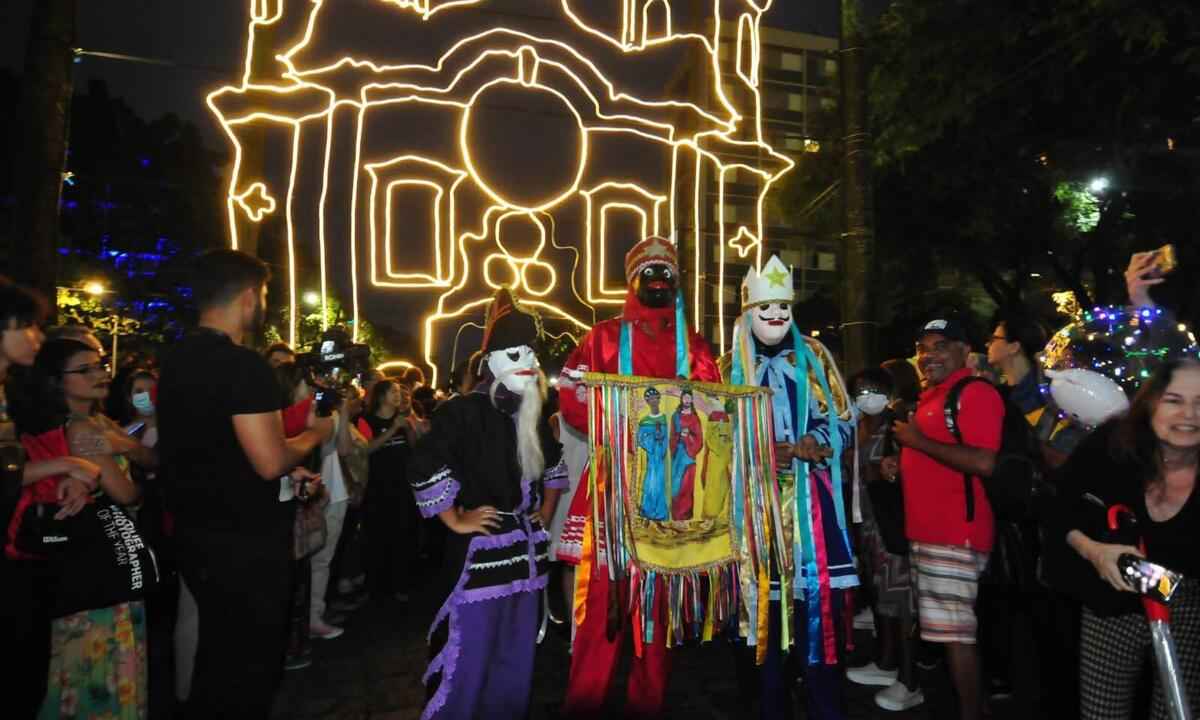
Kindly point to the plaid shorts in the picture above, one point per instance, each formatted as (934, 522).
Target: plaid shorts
(947, 582)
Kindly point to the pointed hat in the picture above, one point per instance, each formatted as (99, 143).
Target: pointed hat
(508, 324)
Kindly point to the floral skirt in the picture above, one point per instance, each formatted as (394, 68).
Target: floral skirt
(98, 664)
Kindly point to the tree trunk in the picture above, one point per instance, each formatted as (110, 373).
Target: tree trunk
(42, 144)
(859, 328)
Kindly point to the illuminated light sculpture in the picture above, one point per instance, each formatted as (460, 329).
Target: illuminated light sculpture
(418, 204)
(393, 364)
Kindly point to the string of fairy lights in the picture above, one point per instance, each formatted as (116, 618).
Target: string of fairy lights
(1123, 343)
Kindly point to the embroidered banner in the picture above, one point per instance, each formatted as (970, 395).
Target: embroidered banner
(677, 462)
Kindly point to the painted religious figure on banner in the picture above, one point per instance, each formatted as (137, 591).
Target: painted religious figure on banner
(687, 439)
(714, 466)
(652, 438)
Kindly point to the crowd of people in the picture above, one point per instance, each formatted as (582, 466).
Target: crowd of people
(179, 532)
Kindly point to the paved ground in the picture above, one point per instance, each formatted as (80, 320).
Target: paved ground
(373, 672)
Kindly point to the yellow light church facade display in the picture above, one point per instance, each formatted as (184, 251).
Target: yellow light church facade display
(387, 119)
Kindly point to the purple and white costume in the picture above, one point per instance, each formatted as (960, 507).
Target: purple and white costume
(484, 635)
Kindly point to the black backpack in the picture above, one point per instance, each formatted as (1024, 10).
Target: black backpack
(1017, 490)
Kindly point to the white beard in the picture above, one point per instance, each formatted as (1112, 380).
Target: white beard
(771, 335)
(532, 390)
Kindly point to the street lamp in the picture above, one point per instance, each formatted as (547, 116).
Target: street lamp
(1098, 185)
(312, 299)
(96, 289)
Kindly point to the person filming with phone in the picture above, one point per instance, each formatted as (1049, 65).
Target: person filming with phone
(223, 451)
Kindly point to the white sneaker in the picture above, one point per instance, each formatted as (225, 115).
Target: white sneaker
(870, 674)
(321, 631)
(898, 698)
(864, 620)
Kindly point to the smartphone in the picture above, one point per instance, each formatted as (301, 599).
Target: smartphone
(134, 428)
(1149, 579)
(1164, 261)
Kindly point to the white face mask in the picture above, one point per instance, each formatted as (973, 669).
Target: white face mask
(771, 322)
(142, 403)
(514, 367)
(871, 403)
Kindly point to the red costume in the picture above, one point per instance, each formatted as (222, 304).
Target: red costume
(595, 656)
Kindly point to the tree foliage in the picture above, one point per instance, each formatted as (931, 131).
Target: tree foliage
(992, 119)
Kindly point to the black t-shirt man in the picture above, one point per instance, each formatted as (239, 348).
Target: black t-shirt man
(222, 451)
(206, 380)
(232, 534)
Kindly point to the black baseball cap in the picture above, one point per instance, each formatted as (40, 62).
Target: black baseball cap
(947, 328)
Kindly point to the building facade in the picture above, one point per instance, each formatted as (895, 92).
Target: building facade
(799, 91)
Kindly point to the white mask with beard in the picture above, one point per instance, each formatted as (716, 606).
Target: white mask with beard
(514, 367)
(771, 322)
(517, 369)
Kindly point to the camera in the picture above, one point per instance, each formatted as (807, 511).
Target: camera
(332, 366)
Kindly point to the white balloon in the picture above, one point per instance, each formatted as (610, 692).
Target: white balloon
(1089, 397)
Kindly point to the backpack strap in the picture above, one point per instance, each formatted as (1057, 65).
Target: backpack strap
(950, 411)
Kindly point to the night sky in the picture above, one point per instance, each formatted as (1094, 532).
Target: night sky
(204, 38)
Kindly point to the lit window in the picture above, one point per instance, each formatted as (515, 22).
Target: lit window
(795, 102)
(792, 62)
(830, 67)
(828, 104)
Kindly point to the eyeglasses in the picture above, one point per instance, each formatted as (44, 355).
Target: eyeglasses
(96, 368)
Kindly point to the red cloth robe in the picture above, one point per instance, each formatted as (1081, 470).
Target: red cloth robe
(595, 656)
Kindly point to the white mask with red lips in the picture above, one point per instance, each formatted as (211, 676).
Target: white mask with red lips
(515, 368)
(771, 322)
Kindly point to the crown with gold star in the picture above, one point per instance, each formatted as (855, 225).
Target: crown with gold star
(772, 284)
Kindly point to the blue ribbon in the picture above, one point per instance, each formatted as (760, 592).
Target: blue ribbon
(625, 350)
(683, 367)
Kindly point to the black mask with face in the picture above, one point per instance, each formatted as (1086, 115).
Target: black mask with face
(655, 285)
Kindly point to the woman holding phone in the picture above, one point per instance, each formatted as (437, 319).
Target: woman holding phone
(1147, 461)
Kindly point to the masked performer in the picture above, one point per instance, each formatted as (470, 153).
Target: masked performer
(650, 339)
(813, 424)
(482, 469)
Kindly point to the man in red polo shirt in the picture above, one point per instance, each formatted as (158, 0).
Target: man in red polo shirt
(949, 551)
